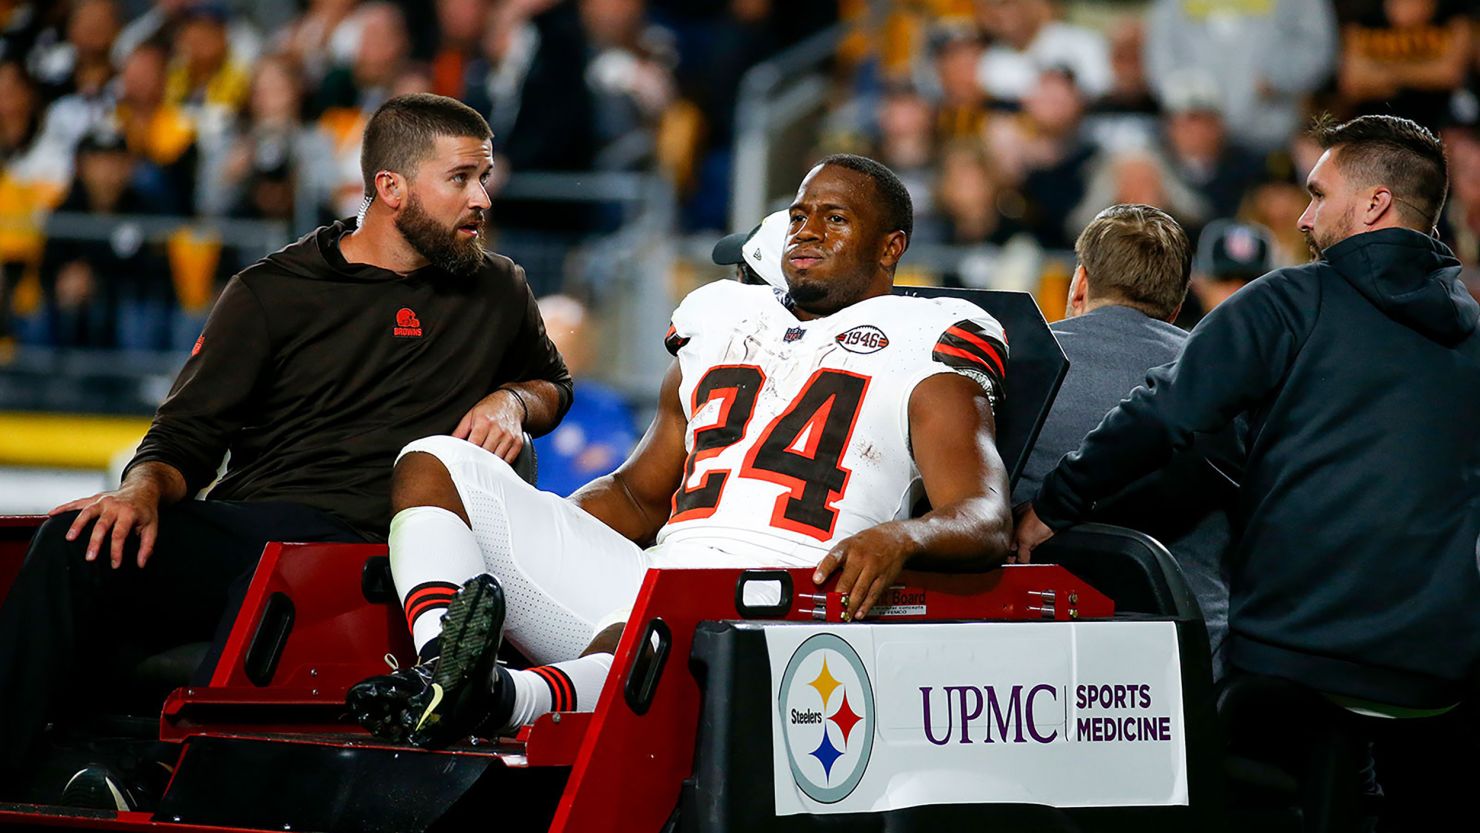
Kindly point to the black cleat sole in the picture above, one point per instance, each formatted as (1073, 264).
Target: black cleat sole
(472, 630)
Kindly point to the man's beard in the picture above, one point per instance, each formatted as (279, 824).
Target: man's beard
(1310, 243)
(1318, 247)
(443, 247)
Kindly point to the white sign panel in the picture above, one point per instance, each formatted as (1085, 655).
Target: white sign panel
(867, 718)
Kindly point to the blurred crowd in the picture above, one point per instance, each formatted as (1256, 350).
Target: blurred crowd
(1009, 119)
(253, 109)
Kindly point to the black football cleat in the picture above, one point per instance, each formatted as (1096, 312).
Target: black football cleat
(386, 704)
(462, 691)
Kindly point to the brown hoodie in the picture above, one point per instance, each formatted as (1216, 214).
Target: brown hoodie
(314, 372)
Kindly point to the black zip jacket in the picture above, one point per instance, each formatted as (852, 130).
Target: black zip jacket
(314, 373)
(1359, 506)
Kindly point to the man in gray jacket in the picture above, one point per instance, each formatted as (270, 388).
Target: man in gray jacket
(1134, 262)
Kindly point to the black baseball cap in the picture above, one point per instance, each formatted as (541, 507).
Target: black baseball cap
(1229, 250)
(730, 248)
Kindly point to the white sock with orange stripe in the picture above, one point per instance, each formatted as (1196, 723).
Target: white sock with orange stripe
(432, 554)
(570, 686)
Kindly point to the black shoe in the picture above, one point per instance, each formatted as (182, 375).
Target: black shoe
(98, 787)
(445, 699)
(463, 683)
(387, 705)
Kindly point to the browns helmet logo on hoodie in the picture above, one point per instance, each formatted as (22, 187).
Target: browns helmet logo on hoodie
(407, 324)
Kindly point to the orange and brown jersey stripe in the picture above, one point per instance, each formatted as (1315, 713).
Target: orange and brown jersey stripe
(673, 341)
(966, 345)
(428, 596)
(562, 690)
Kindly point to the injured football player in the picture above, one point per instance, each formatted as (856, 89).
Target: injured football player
(784, 437)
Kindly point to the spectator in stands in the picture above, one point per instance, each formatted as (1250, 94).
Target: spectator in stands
(1130, 90)
(317, 365)
(600, 428)
(205, 79)
(906, 144)
(1130, 282)
(460, 29)
(553, 44)
(972, 196)
(508, 46)
(1026, 40)
(82, 61)
(630, 70)
(1045, 152)
(1201, 152)
(1265, 57)
(1277, 200)
(90, 95)
(964, 105)
(380, 54)
(33, 176)
(114, 292)
(162, 23)
(273, 140)
(1127, 114)
(1407, 60)
(1274, 204)
(1230, 254)
(709, 75)
(160, 135)
(1354, 572)
(1138, 175)
(21, 111)
(323, 37)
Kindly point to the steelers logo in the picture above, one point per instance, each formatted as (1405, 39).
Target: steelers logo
(827, 717)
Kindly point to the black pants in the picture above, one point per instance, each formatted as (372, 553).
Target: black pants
(71, 631)
(1421, 768)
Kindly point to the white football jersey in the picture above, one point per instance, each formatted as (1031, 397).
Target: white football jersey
(798, 431)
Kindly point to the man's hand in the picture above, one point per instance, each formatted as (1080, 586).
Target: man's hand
(496, 423)
(118, 514)
(1031, 532)
(871, 561)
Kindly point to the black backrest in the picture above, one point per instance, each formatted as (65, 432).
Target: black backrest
(527, 465)
(1036, 366)
(1133, 569)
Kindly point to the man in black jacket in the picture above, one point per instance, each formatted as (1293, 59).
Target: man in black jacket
(316, 366)
(1355, 573)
